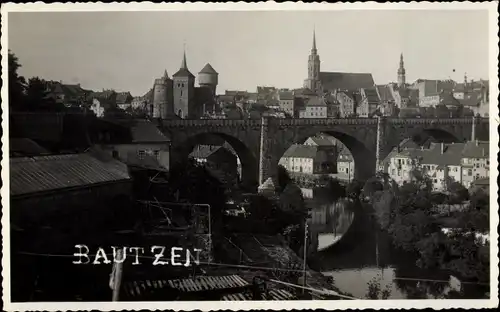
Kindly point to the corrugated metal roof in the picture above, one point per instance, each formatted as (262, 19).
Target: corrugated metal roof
(273, 294)
(46, 173)
(204, 283)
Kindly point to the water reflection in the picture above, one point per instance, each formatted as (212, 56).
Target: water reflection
(362, 262)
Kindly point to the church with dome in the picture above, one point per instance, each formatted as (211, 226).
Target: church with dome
(178, 97)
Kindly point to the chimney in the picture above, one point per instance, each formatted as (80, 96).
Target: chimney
(442, 148)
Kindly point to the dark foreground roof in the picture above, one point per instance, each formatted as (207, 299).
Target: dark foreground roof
(273, 294)
(29, 175)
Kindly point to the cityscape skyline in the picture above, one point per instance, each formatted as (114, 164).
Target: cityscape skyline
(137, 56)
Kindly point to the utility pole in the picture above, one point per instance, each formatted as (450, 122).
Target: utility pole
(305, 256)
(116, 275)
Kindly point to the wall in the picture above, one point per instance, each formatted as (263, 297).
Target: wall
(126, 150)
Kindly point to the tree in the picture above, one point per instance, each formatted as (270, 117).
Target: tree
(17, 84)
(354, 188)
(283, 178)
(38, 97)
(335, 189)
(458, 193)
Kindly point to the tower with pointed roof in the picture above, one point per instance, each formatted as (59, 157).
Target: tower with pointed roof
(401, 72)
(183, 81)
(313, 68)
(163, 97)
(208, 78)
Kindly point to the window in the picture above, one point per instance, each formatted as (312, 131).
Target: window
(141, 154)
(469, 172)
(156, 154)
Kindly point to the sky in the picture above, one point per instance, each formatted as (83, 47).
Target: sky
(126, 51)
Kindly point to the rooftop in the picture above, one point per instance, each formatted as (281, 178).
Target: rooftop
(345, 81)
(208, 69)
(25, 147)
(30, 175)
(323, 140)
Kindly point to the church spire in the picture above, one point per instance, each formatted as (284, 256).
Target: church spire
(165, 74)
(401, 72)
(184, 62)
(314, 41)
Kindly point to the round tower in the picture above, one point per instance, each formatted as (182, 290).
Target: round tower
(208, 78)
(162, 91)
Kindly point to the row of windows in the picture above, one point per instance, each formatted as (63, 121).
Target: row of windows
(143, 153)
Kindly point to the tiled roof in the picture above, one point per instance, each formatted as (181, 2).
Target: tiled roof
(448, 99)
(385, 93)
(25, 147)
(55, 172)
(371, 95)
(345, 81)
(301, 151)
(204, 151)
(286, 95)
(476, 149)
(273, 294)
(316, 101)
(481, 181)
(268, 185)
(471, 99)
(323, 141)
(183, 72)
(303, 91)
(208, 69)
(204, 283)
(123, 97)
(434, 87)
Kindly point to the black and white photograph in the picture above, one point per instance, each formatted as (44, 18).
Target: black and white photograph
(197, 156)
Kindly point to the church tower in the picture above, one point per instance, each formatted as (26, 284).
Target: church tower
(313, 68)
(401, 72)
(184, 91)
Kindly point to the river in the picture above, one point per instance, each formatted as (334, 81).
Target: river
(362, 261)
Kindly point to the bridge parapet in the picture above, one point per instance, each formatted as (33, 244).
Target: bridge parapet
(325, 121)
(428, 121)
(200, 123)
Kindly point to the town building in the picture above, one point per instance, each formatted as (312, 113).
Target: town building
(287, 103)
(137, 143)
(475, 162)
(306, 159)
(369, 102)
(345, 164)
(314, 108)
(103, 101)
(348, 102)
(124, 100)
(221, 162)
(328, 144)
(324, 82)
(68, 94)
(441, 162)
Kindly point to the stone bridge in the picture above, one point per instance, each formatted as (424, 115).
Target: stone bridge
(261, 143)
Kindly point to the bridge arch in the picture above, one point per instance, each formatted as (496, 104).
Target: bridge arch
(362, 153)
(249, 162)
